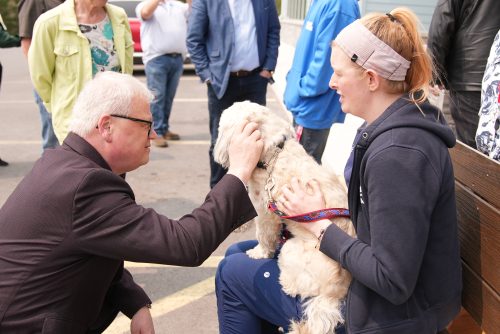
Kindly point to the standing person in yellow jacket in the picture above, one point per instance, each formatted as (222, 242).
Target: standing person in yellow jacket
(71, 43)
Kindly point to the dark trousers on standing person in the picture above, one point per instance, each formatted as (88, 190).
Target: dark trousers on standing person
(313, 140)
(251, 87)
(464, 108)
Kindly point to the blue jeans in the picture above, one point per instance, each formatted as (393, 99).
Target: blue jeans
(49, 139)
(163, 74)
(252, 88)
(249, 296)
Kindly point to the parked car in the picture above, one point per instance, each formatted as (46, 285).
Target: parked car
(135, 27)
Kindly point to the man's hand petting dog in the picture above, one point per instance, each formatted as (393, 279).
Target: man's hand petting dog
(244, 150)
(297, 199)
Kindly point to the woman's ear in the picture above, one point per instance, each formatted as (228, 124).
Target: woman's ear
(373, 80)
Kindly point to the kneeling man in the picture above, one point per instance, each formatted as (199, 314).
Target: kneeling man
(67, 228)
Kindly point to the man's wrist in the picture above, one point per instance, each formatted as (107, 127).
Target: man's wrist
(241, 175)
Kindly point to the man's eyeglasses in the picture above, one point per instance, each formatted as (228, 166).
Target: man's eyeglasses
(149, 123)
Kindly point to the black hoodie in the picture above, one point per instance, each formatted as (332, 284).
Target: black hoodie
(405, 261)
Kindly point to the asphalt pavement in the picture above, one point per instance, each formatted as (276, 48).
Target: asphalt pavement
(175, 181)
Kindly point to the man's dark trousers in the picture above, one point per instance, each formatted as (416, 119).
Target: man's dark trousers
(252, 88)
(464, 108)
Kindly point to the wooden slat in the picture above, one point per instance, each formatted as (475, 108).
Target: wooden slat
(480, 301)
(464, 324)
(478, 208)
(479, 232)
(478, 172)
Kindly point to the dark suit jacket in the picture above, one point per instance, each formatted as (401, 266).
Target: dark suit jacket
(69, 225)
(210, 39)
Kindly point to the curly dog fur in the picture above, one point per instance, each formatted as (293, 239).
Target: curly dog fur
(305, 271)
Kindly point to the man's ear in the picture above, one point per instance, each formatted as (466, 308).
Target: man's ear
(104, 127)
(373, 80)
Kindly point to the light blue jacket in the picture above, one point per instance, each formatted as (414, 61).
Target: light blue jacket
(210, 39)
(307, 94)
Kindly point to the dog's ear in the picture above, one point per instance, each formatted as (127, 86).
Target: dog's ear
(227, 123)
(275, 129)
(230, 118)
(221, 147)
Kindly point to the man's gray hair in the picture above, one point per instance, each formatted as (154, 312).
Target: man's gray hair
(108, 93)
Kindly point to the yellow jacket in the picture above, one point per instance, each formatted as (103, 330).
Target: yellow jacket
(60, 62)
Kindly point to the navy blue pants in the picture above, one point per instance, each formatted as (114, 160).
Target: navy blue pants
(249, 296)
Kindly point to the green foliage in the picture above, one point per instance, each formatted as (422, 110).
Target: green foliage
(8, 9)
(278, 6)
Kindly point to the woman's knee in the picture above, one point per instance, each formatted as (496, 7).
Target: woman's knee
(228, 272)
(240, 247)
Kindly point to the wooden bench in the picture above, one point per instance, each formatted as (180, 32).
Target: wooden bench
(477, 182)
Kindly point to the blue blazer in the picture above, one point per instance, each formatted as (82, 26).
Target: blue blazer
(210, 39)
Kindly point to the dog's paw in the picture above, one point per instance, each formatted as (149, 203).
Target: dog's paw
(259, 253)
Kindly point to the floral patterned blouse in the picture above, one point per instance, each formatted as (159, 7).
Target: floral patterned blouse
(102, 47)
(488, 131)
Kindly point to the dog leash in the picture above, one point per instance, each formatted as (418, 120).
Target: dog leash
(310, 217)
(303, 218)
(265, 165)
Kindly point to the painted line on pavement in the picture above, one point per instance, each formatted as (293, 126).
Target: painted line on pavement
(17, 81)
(20, 142)
(211, 262)
(188, 142)
(181, 298)
(18, 102)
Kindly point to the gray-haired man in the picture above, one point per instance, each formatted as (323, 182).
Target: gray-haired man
(73, 220)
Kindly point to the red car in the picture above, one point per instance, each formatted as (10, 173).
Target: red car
(135, 25)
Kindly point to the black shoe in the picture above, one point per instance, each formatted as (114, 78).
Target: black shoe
(3, 163)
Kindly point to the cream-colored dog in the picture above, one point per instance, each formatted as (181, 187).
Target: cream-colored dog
(305, 271)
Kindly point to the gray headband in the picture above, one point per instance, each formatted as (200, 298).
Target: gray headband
(369, 52)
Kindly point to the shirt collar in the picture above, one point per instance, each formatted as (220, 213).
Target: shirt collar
(76, 143)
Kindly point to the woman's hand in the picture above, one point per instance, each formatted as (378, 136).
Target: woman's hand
(297, 199)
